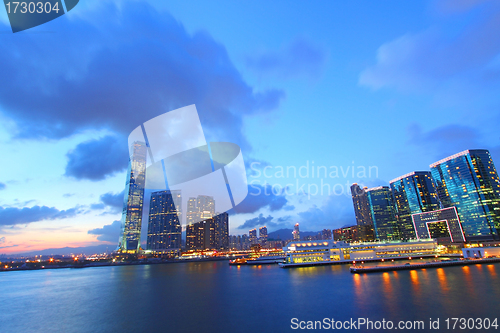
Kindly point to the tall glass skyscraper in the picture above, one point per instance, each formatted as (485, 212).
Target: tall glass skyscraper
(164, 227)
(469, 181)
(412, 193)
(382, 213)
(130, 238)
(361, 205)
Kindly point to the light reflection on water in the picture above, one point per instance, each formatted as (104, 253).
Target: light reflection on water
(216, 297)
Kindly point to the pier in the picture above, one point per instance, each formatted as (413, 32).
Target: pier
(435, 264)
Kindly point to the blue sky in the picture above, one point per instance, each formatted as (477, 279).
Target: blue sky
(390, 85)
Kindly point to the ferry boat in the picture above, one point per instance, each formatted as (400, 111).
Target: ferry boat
(264, 260)
(329, 252)
(238, 261)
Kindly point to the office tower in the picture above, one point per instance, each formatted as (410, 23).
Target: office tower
(326, 234)
(263, 235)
(130, 237)
(412, 193)
(296, 232)
(469, 181)
(164, 227)
(382, 213)
(252, 236)
(361, 205)
(222, 225)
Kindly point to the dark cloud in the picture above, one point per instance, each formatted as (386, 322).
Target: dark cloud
(2, 186)
(108, 233)
(269, 222)
(137, 65)
(445, 140)
(12, 216)
(96, 159)
(114, 200)
(299, 58)
(259, 197)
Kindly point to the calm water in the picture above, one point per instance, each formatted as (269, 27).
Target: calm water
(216, 297)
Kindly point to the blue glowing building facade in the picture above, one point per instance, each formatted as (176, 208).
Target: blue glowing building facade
(469, 181)
(412, 193)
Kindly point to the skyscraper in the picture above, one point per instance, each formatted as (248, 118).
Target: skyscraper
(361, 205)
(252, 236)
(134, 198)
(164, 228)
(469, 181)
(210, 234)
(382, 213)
(199, 210)
(412, 193)
(263, 235)
(296, 232)
(222, 225)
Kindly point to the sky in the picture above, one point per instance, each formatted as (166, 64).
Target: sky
(318, 95)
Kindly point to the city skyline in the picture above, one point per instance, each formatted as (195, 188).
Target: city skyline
(383, 97)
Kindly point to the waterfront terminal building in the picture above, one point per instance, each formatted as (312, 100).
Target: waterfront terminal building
(328, 252)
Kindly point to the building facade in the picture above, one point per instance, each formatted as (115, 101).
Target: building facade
(412, 193)
(130, 236)
(469, 181)
(361, 205)
(164, 227)
(443, 225)
(355, 233)
(382, 213)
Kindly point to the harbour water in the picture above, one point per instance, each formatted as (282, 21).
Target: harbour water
(216, 297)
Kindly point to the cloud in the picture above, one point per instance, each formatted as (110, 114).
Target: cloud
(2, 240)
(269, 222)
(98, 158)
(259, 197)
(455, 62)
(298, 59)
(108, 233)
(112, 200)
(117, 67)
(447, 140)
(2, 186)
(12, 216)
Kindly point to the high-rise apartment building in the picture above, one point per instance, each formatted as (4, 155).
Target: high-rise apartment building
(252, 236)
(198, 210)
(469, 181)
(164, 227)
(412, 193)
(130, 237)
(326, 234)
(263, 235)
